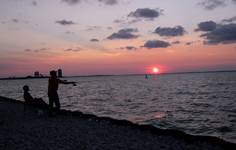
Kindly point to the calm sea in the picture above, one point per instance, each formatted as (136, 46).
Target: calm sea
(197, 103)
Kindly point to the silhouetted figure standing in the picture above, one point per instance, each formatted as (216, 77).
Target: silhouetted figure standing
(53, 83)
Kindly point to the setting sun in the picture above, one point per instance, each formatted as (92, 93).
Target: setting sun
(155, 70)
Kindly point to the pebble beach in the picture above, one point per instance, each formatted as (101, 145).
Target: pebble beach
(26, 127)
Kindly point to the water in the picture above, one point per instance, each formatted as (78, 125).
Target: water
(197, 103)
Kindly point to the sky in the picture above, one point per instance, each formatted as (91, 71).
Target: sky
(90, 37)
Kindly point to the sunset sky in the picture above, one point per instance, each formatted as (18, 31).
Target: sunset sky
(88, 37)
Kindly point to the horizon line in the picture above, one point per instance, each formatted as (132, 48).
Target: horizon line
(129, 74)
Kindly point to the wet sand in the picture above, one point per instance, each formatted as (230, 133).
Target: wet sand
(34, 129)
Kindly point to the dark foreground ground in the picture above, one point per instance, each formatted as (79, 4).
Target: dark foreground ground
(31, 129)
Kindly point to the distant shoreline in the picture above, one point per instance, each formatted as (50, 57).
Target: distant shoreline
(31, 77)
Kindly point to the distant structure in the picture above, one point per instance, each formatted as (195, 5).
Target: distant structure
(36, 74)
(59, 72)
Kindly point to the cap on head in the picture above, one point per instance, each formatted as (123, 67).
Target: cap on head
(53, 73)
(26, 88)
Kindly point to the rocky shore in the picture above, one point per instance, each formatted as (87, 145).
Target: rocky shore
(25, 127)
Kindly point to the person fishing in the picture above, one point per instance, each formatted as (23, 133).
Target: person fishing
(53, 83)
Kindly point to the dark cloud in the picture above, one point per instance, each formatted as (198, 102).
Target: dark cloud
(229, 20)
(36, 50)
(34, 3)
(40, 50)
(140, 14)
(119, 21)
(106, 2)
(168, 31)
(126, 33)
(145, 13)
(225, 34)
(130, 48)
(28, 50)
(212, 4)
(156, 44)
(94, 40)
(73, 49)
(176, 42)
(15, 20)
(65, 22)
(109, 2)
(71, 2)
(189, 43)
(206, 26)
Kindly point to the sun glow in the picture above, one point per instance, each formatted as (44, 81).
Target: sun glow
(155, 70)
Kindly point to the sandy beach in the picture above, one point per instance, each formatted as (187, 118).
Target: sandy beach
(34, 129)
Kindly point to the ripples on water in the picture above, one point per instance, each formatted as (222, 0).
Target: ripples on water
(200, 103)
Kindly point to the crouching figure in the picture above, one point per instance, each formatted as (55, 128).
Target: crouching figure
(36, 102)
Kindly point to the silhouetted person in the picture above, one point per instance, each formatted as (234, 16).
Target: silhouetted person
(37, 102)
(53, 83)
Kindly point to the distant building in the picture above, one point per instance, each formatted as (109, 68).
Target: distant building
(36, 74)
(41, 75)
(59, 71)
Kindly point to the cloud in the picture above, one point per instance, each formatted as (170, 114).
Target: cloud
(71, 2)
(36, 50)
(206, 26)
(28, 50)
(126, 33)
(168, 31)
(145, 13)
(225, 34)
(109, 2)
(126, 22)
(92, 28)
(65, 22)
(130, 48)
(156, 44)
(73, 49)
(94, 40)
(229, 20)
(212, 4)
(176, 42)
(15, 20)
(106, 2)
(69, 32)
(119, 21)
(109, 28)
(34, 3)
(140, 14)
(188, 43)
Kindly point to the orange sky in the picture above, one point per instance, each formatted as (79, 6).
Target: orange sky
(129, 37)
